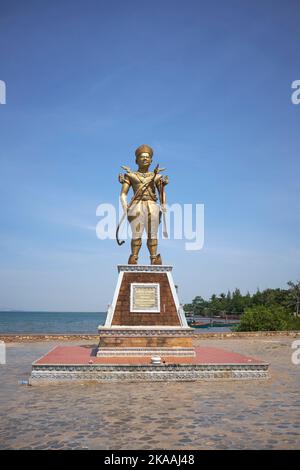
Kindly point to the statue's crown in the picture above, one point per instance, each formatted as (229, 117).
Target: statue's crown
(144, 149)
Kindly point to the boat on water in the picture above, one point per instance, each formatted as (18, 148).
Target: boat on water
(198, 324)
(210, 324)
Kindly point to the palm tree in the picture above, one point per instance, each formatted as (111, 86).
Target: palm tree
(294, 289)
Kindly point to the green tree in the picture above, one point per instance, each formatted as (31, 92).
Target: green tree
(213, 306)
(197, 307)
(237, 302)
(294, 294)
(228, 302)
(188, 308)
(263, 318)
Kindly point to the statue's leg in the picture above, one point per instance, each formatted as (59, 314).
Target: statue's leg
(137, 227)
(152, 247)
(135, 248)
(152, 229)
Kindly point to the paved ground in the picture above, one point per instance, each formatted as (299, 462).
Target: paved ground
(262, 414)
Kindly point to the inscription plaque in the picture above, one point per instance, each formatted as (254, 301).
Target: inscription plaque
(144, 297)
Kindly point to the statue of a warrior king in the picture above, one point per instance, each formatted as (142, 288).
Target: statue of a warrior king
(143, 212)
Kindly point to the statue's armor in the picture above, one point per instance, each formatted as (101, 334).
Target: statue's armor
(144, 214)
(137, 179)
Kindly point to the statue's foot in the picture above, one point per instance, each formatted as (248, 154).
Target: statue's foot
(132, 259)
(156, 259)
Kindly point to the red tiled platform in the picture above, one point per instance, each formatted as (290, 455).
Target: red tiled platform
(81, 355)
(80, 363)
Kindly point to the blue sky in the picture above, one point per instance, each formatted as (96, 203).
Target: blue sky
(206, 83)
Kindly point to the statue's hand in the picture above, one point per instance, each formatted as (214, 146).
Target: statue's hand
(163, 208)
(125, 208)
(165, 180)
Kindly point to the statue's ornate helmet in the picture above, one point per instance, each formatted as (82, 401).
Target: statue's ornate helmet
(143, 149)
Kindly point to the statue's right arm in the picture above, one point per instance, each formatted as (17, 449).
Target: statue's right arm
(124, 191)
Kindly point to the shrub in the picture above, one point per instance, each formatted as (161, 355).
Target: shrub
(272, 318)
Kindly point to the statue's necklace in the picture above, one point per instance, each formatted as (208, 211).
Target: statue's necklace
(143, 175)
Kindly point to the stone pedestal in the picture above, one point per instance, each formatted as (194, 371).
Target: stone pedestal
(145, 338)
(145, 317)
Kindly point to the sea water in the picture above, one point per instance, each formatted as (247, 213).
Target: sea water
(51, 322)
(14, 322)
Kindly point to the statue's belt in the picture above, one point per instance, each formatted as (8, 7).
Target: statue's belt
(144, 199)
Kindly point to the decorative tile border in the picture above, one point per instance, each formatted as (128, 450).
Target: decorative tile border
(145, 268)
(44, 374)
(145, 332)
(140, 352)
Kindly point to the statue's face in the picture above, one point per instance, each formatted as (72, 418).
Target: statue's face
(144, 159)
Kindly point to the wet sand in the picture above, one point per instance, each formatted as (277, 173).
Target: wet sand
(257, 414)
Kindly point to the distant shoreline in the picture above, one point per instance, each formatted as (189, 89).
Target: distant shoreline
(49, 311)
(23, 337)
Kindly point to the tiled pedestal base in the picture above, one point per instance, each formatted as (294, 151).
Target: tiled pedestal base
(68, 364)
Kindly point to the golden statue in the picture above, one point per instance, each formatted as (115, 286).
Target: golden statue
(143, 213)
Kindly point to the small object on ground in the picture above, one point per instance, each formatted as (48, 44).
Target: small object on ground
(155, 360)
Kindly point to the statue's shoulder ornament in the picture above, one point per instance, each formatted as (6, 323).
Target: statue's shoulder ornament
(130, 176)
(124, 178)
(162, 179)
(165, 180)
